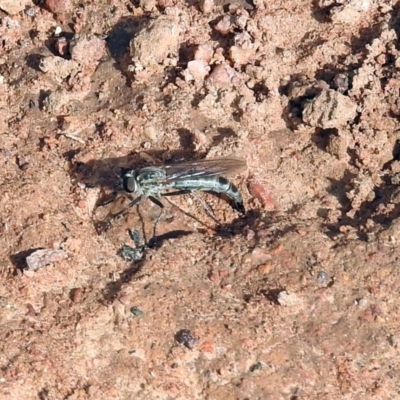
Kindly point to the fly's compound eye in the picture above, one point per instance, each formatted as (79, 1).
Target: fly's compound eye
(129, 182)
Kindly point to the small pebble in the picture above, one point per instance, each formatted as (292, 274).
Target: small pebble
(329, 109)
(256, 367)
(61, 46)
(30, 11)
(87, 49)
(148, 5)
(82, 203)
(198, 70)
(186, 338)
(41, 258)
(263, 194)
(76, 295)
(165, 3)
(224, 26)
(58, 6)
(13, 7)
(394, 340)
(322, 277)
(153, 44)
(22, 163)
(241, 55)
(204, 52)
(287, 299)
(137, 312)
(341, 82)
(151, 133)
(206, 6)
(222, 75)
(382, 59)
(362, 303)
(265, 268)
(337, 145)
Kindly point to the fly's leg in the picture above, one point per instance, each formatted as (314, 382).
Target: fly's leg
(108, 200)
(161, 205)
(186, 213)
(206, 208)
(135, 236)
(118, 214)
(136, 253)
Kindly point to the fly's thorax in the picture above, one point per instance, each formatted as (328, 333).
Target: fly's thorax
(150, 175)
(129, 182)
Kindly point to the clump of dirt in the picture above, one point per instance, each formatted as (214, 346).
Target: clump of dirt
(295, 299)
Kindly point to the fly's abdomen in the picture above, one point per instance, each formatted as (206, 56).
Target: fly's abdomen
(216, 184)
(231, 191)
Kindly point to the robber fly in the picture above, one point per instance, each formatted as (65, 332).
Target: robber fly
(182, 178)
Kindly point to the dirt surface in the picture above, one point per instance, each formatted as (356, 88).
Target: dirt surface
(298, 299)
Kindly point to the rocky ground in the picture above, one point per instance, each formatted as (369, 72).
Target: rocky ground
(298, 299)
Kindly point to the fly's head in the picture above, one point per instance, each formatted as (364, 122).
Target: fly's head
(129, 182)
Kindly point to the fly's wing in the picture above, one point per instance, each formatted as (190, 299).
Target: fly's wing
(203, 168)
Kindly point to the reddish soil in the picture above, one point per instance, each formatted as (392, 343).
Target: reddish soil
(299, 298)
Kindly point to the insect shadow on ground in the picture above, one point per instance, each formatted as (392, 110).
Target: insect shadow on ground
(253, 219)
(112, 289)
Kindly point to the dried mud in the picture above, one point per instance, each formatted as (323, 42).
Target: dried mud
(296, 300)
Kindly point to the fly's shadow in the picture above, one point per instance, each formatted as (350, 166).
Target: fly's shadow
(157, 241)
(136, 256)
